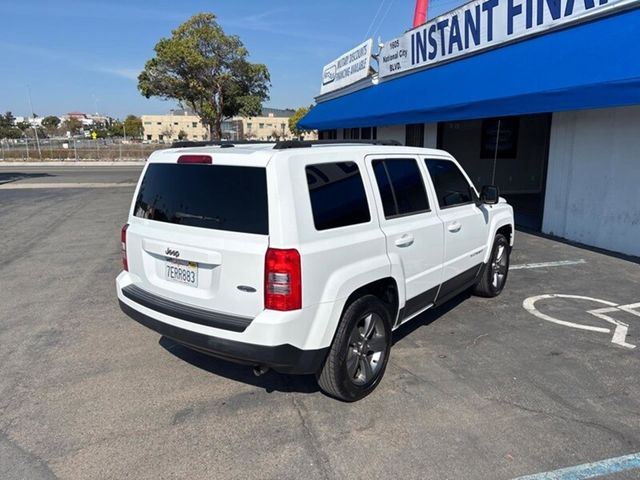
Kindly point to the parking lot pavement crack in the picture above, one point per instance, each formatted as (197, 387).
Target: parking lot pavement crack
(319, 456)
(475, 340)
(16, 462)
(629, 439)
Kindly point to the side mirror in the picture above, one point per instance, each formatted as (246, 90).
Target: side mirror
(490, 194)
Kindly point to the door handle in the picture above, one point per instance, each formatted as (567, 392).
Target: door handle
(454, 227)
(404, 241)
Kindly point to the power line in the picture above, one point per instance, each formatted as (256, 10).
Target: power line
(366, 36)
(384, 17)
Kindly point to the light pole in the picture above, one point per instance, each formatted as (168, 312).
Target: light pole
(26, 138)
(33, 116)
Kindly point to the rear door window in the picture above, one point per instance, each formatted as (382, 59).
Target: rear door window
(217, 197)
(338, 198)
(401, 187)
(452, 188)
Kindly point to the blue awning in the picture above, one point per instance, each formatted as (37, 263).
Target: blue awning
(591, 65)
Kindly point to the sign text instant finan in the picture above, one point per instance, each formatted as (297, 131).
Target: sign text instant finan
(482, 24)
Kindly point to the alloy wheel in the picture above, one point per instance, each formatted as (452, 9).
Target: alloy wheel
(499, 267)
(367, 348)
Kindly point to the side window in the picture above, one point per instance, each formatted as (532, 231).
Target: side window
(337, 195)
(401, 187)
(451, 186)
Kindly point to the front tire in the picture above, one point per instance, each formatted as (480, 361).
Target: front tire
(494, 275)
(360, 351)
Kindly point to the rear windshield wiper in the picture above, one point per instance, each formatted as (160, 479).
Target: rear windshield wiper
(218, 220)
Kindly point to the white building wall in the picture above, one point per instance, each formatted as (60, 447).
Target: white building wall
(392, 132)
(431, 135)
(398, 133)
(593, 179)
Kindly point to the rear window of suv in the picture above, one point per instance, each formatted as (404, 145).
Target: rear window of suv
(217, 197)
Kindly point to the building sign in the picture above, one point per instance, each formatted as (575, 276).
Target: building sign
(349, 68)
(482, 24)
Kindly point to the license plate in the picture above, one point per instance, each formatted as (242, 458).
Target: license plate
(180, 271)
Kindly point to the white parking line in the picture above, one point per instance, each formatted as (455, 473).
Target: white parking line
(560, 263)
(590, 470)
(25, 186)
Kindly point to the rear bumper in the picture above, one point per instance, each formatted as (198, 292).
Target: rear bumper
(282, 358)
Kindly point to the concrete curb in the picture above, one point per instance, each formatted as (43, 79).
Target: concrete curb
(73, 163)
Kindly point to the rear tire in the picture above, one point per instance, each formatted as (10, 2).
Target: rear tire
(360, 351)
(494, 274)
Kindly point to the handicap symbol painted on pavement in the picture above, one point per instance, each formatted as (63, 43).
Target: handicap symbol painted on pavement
(620, 329)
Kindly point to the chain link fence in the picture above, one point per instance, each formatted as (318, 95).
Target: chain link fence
(74, 150)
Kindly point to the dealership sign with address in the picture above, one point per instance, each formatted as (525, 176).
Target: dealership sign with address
(484, 24)
(349, 68)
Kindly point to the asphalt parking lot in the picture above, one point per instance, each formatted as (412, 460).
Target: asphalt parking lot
(476, 389)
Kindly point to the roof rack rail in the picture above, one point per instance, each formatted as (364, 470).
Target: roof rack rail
(281, 145)
(219, 143)
(309, 143)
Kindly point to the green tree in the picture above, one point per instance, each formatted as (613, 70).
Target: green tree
(72, 125)
(101, 132)
(115, 129)
(133, 126)
(207, 70)
(10, 133)
(23, 126)
(7, 127)
(51, 123)
(7, 120)
(167, 134)
(31, 132)
(297, 116)
(182, 135)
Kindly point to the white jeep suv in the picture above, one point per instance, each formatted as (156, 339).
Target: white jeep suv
(304, 256)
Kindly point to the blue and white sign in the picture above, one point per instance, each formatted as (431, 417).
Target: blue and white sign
(349, 68)
(483, 24)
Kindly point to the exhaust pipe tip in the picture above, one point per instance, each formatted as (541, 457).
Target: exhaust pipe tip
(260, 370)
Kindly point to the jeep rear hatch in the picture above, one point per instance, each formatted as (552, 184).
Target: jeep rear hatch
(200, 233)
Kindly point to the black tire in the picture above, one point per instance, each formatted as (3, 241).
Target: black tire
(338, 377)
(496, 269)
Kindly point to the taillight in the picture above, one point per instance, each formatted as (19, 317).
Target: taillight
(206, 159)
(282, 280)
(123, 247)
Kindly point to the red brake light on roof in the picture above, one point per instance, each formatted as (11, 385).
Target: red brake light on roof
(205, 159)
(123, 247)
(282, 280)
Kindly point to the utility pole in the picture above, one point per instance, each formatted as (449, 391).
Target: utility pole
(33, 116)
